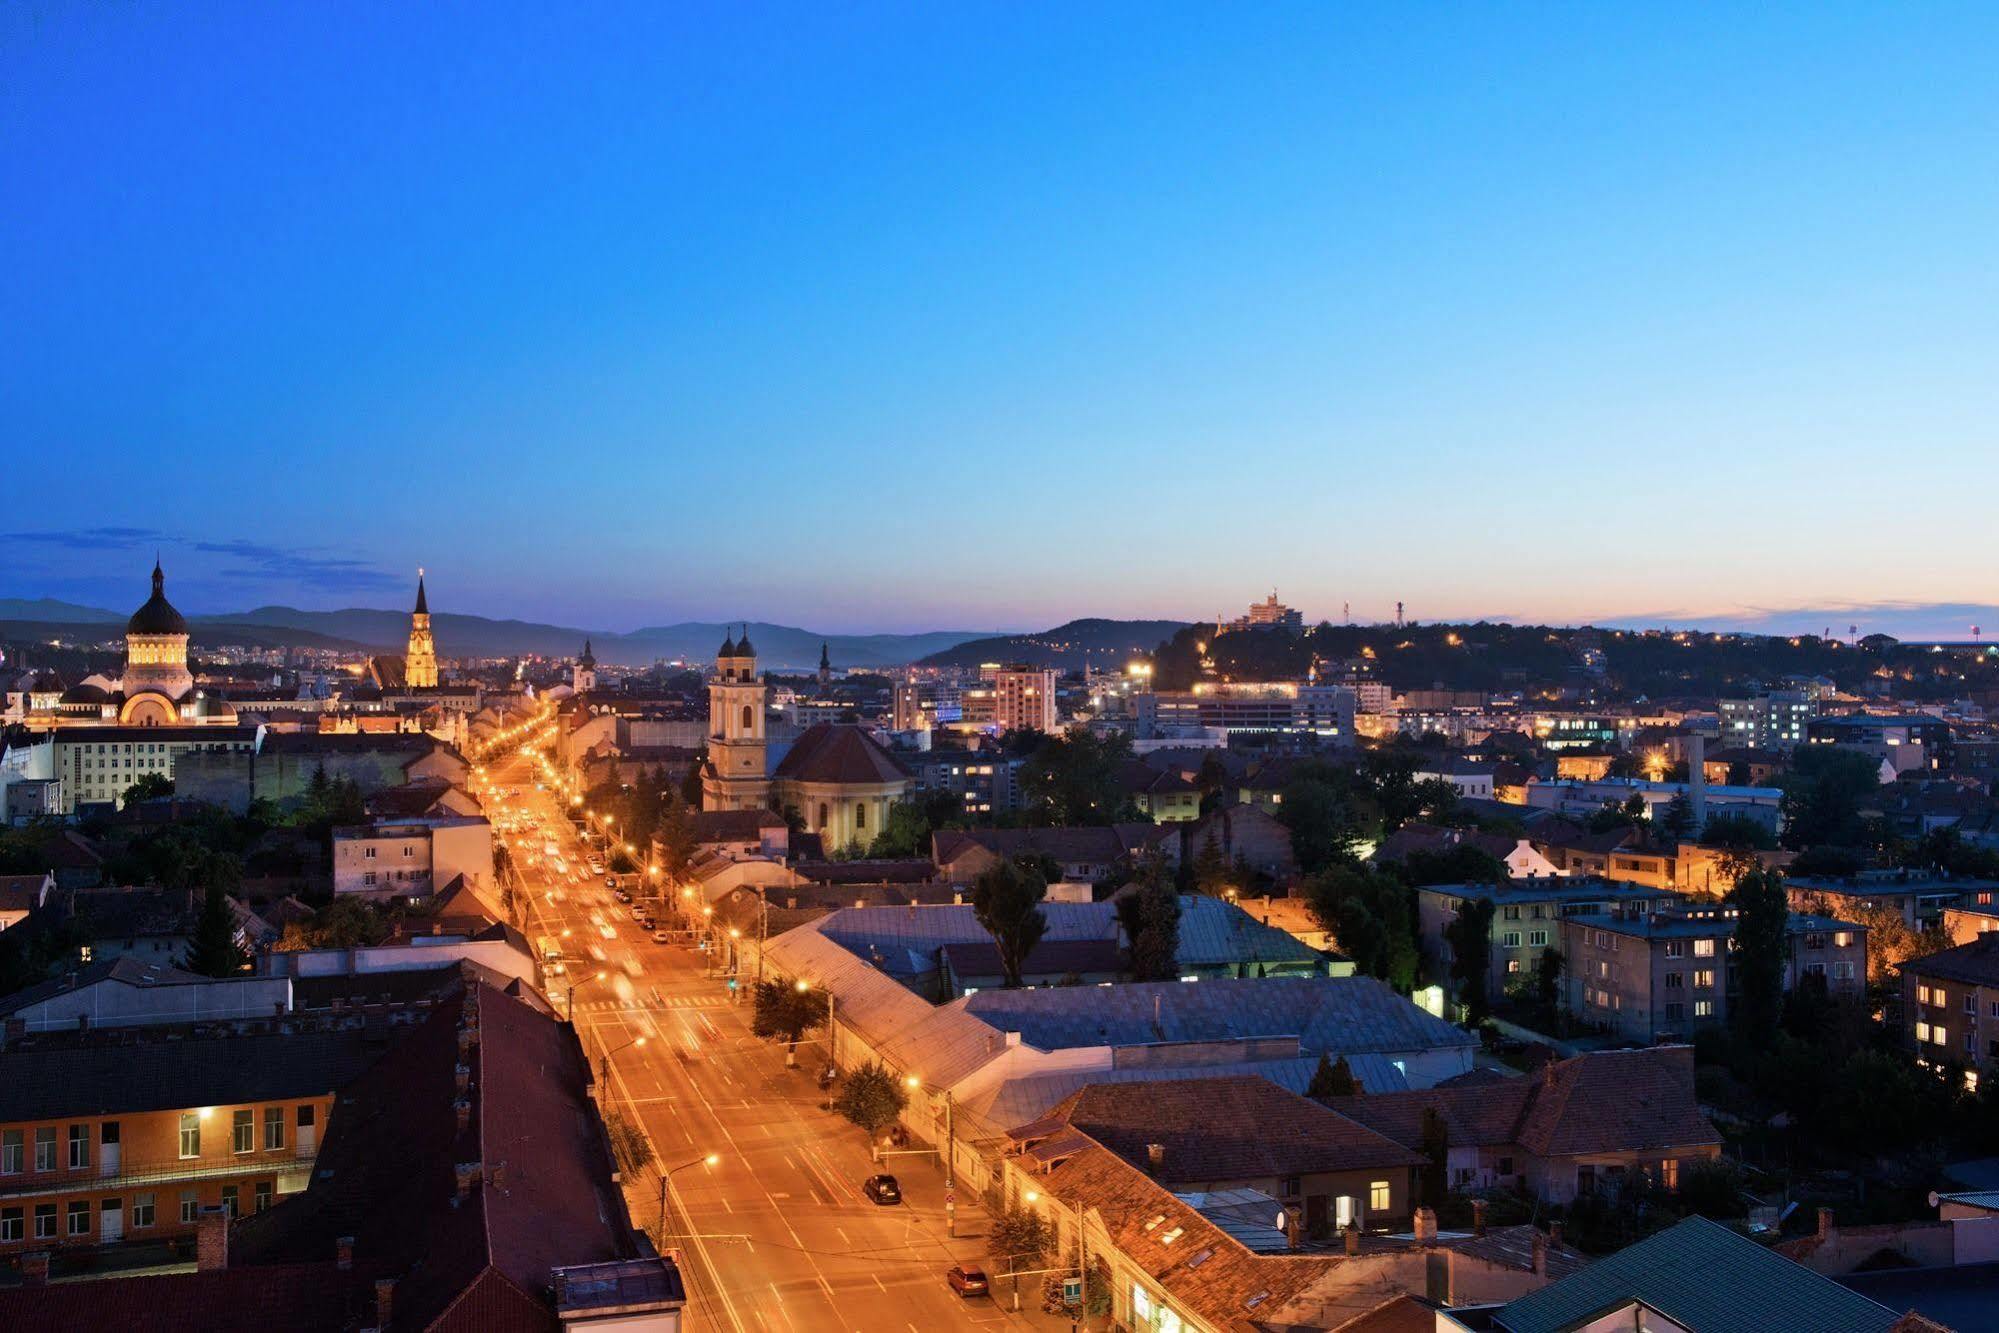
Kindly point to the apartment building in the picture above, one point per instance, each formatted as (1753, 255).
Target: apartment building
(1653, 975)
(413, 859)
(1527, 919)
(92, 766)
(1950, 1003)
(1024, 699)
(105, 1141)
(1772, 720)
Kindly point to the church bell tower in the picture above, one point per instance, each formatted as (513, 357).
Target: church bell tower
(420, 662)
(736, 776)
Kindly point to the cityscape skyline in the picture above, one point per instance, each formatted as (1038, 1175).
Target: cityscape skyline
(854, 285)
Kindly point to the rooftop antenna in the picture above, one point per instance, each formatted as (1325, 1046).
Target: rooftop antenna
(1346, 612)
(1398, 615)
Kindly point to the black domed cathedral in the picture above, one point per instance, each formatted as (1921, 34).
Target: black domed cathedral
(157, 689)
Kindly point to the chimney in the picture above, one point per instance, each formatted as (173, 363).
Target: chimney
(437, 927)
(1555, 1234)
(1825, 1224)
(1352, 1236)
(466, 1175)
(385, 1293)
(35, 1269)
(1540, 1255)
(83, 1022)
(463, 1107)
(1155, 1157)
(461, 1078)
(1478, 1217)
(1426, 1226)
(343, 1253)
(1292, 1227)
(211, 1240)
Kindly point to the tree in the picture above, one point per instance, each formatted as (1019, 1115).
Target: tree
(1548, 975)
(1469, 935)
(1823, 793)
(1763, 918)
(213, 951)
(871, 1098)
(1017, 1239)
(1319, 810)
(690, 781)
(673, 841)
(1078, 778)
(1211, 780)
(1371, 917)
(1212, 872)
(150, 786)
(1435, 1173)
(1332, 1079)
(629, 1144)
(1677, 819)
(1461, 864)
(1006, 899)
(1149, 911)
(785, 1013)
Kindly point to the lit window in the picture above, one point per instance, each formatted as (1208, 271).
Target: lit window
(1378, 1196)
(190, 1135)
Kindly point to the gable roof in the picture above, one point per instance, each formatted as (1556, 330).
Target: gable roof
(1215, 1129)
(733, 825)
(1976, 963)
(1704, 1278)
(22, 893)
(1105, 843)
(1605, 1101)
(385, 1175)
(1324, 1013)
(838, 752)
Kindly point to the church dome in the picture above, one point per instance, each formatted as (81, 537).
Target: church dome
(86, 693)
(728, 648)
(157, 616)
(743, 648)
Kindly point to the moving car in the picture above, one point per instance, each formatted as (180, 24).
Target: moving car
(966, 1281)
(659, 937)
(882, 1189)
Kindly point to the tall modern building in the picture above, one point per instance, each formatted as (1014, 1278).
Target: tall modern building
(1023, 698)
(420, 661)
(1773, 720)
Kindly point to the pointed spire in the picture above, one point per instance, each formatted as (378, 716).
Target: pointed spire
(159, 576)
(422, 602)
(825, 662)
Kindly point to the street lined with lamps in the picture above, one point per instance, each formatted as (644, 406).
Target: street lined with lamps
(774, 1233)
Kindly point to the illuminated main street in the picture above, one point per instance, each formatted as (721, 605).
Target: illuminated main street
(777, 1234)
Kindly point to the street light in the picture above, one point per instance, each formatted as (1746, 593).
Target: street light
(666, 1182)
(604, 1060)
(570, 993)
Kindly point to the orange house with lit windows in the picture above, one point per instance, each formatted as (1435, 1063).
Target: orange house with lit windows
(106, 1140)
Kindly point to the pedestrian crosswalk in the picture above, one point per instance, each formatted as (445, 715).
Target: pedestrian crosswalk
(664, 1002)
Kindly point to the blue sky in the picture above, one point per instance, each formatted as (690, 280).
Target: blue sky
(896, 317)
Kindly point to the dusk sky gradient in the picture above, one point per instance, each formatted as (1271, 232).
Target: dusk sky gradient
(962, 316)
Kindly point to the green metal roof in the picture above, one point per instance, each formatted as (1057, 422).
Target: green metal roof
(1705, 1278)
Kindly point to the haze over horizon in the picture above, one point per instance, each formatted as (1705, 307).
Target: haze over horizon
(895, 319)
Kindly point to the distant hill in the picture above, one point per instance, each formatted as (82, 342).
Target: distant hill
(203, 634)
(1094, 642)
(477, 636)
(49, 611)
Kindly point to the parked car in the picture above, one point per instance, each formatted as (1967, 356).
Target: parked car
(882, 1189)
(659, 937)
(966, 1281)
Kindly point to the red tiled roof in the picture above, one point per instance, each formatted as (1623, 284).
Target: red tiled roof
(231, 1300)
(838, 752)
(1606, 1101)
(733, 825)
(1221, 1129)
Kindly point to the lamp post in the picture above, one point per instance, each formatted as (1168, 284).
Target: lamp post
(604, 1060)
(915, 1082)
(666, 1183)
(570, 994)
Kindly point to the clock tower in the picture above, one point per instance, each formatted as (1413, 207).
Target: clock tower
(737, 775)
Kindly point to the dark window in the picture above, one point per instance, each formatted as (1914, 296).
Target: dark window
(45, 1221)
(107, 1133)
(10, 1224)
(305, 1116)
(262, 1195)
(79, 1217)
(230, 1195)
(79, 1147)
